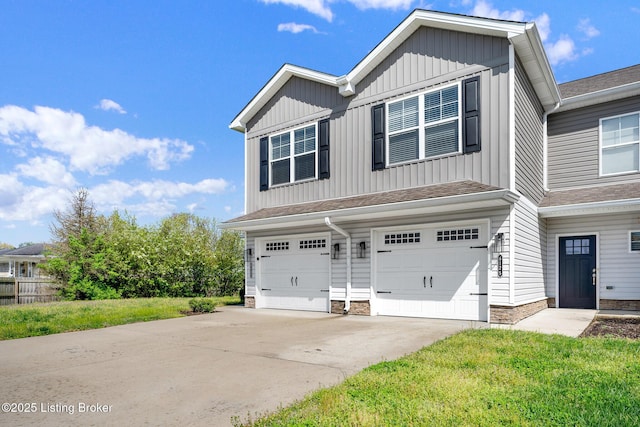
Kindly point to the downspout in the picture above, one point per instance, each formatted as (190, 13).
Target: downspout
(347, 299)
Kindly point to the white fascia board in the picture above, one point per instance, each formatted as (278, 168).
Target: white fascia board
(482, 200)
(608, 207)
(274, 85)
(534, 59)
(598, 97)
(445, 21)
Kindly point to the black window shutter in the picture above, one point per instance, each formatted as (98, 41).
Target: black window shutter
(377, 148)
(323, 149)
(471, 116)
(264, 163)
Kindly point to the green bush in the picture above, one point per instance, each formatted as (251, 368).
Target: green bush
(202, 305)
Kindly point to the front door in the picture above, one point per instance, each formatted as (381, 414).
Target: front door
(577, 272)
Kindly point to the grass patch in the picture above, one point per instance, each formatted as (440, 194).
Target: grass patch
(21, 321)
(485, 378)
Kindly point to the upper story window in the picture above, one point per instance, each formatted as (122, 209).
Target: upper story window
(297, 163)
(423, 126)
(620, 144)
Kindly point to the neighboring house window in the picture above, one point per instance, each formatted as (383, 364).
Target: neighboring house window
(297, 155)
(634, 241)
(427, 125)
(4, 267)
(620, 144)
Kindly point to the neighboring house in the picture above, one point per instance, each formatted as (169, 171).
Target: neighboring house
(22, 262)
(447, 175)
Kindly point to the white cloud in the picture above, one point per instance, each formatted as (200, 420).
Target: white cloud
(89, 148)
(585, 27)
(559, 51)
(381, 4)
(562, 50)
(109, 105)
(322, 8)
(316, 7)
(48, 170)
(19, 202)
(158, 194)
(543, 22)
(294, 28)
(227, 209)
(485, 9)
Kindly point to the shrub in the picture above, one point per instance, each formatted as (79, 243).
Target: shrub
(202, 305)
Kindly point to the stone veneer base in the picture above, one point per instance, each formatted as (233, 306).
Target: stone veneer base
(362, 308)
(511, 314)
(250, 302)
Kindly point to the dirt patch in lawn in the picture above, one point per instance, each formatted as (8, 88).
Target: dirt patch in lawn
(617, 327)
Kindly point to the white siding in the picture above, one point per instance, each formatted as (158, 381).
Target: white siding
(530, 250)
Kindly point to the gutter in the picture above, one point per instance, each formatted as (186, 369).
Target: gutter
(347, 299)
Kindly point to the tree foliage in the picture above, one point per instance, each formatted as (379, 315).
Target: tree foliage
(97, 257)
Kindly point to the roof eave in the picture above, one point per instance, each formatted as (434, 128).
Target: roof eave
(594, 208)
(486, 199)
(531, 52)
(274, 84)
(598, 97)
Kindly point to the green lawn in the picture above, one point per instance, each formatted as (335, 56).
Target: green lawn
(485, 378)
(20, 321)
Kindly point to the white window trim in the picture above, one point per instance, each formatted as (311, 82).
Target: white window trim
(629, 242)
(422, 125)
(600, 147)
(292, 156)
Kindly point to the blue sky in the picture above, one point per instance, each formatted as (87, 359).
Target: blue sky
(132, 99)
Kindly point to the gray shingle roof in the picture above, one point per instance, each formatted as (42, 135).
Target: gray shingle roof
(578, 196)
(31, 250)
(382, 198)
(600, 82)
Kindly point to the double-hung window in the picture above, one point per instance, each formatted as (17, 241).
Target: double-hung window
(620, 144)
(293, 155)
(424, 126)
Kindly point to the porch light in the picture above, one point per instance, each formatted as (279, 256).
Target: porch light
(498, 243)
(247, 254)
(362, 246)
(336, 251)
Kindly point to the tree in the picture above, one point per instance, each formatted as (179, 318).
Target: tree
(5, 246)
(229, 263)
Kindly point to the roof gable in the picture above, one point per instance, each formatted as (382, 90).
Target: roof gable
(524, 37)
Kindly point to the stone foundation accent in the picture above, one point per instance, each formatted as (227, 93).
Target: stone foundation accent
(552, 302)
(250, 302)
(620, 304)
(511, 315)
(362, 308)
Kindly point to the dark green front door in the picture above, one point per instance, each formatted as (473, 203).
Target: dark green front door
(577, 271)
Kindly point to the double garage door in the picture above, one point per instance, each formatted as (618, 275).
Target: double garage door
(437, 271)
(294, 273)
(432, 271)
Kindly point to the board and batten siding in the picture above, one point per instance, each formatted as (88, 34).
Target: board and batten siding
(573, 139)
(529, 167)
(300, 102)
(618, 267)
(530, 252)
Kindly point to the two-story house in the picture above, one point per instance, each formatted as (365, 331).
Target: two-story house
(431, 180)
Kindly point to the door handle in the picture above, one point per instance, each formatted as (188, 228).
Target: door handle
(594, 275)
(291, 280)
(431, 281)
(296, 280)
(424, 281)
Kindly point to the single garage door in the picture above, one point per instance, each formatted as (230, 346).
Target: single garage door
(432, 271)
(293, 273)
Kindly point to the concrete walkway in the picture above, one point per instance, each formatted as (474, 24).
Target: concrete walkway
(563, 321)
(198, 370)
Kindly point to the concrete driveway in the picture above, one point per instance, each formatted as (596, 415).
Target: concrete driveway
(199, 370)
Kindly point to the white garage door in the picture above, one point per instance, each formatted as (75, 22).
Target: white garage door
(438, 272)
(293, 273)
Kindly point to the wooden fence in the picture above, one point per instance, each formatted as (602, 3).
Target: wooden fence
(27, 290)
